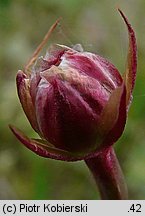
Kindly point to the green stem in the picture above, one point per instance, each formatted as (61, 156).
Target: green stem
(108, 175)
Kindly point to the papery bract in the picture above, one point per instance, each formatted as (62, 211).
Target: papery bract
(76, 101)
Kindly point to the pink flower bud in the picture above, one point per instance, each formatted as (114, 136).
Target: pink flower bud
(76, 101)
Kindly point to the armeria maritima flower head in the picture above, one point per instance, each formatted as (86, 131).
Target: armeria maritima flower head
(75, 100)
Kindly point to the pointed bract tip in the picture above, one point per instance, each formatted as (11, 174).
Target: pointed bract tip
(40, 47)
(125, 19)
(130, 73)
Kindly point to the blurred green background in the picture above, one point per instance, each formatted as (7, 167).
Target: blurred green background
(99, 28)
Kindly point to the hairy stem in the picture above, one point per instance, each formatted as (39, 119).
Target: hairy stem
(108, 175)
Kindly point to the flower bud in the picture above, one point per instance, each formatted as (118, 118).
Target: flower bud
(76, 101)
